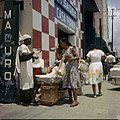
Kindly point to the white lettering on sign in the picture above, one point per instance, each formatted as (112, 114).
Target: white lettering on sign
(8, 63)
(7, 16)
(68, 7)
(7, 75)
(8, 37)
(61, 15)
(8, 49)
(8, 26)
(65, 18)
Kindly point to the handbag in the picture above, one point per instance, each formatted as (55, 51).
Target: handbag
(83, 66)
(61, 68)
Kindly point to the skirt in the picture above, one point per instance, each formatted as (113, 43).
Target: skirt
(95, 73)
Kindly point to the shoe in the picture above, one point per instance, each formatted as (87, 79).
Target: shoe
(74, 104)
(25, 104)
(34, 104)
(94, 96)
(69, 101)
(100, 94)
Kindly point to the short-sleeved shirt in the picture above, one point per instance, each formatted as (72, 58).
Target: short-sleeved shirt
(95, 55)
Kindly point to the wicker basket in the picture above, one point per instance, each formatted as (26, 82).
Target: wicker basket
(83, 66)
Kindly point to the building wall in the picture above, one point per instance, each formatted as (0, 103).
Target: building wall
(25, 19)
(98, 16)
(105, 22)
(103, 15)
(38, 19)
(45, 28)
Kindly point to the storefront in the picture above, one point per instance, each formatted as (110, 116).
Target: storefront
(66, 16)
(46, 21)
(59, 18)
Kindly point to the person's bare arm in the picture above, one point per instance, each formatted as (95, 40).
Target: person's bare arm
(88, 60)
(76, 56)
(58, 55)
(26, 56)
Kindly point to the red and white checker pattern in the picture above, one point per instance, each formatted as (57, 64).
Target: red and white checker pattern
(45, 32)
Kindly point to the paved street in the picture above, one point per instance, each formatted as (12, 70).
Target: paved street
(104, 107)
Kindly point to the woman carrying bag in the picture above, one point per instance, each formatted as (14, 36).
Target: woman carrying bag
(71, 80)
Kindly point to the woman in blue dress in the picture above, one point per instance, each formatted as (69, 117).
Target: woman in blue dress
(71, 79)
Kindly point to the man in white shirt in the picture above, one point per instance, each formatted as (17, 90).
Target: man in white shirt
(110, 60)
(24, 68)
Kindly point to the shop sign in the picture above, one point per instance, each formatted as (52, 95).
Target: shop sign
(7, 42)
(8, 46)
(64, 17)
(65, 4)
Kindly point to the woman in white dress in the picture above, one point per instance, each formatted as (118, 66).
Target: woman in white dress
(95, 74)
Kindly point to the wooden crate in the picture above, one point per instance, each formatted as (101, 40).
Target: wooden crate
(49, 94)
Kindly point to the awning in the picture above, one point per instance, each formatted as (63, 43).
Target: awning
(91, 6)
(101, 43)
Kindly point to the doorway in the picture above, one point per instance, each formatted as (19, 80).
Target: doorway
(62, 34)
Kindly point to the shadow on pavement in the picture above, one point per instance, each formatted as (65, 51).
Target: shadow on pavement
(63, 101)
(89, 95)
(115, 89)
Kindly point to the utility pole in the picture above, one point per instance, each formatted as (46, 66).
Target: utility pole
(112, 17)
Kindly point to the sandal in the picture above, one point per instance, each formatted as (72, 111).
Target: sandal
(74, 104)
(100, 94)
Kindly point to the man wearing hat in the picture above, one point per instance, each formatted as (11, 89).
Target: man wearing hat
(25, 69)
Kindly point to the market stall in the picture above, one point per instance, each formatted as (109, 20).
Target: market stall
(49, 89)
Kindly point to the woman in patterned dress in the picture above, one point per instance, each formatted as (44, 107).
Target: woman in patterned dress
(94, 57)
(71, 80)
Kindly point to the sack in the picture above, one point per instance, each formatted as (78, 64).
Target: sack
(38, 63)
(61, 69)
(83, 66)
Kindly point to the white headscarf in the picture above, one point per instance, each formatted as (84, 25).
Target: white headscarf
(25, 36)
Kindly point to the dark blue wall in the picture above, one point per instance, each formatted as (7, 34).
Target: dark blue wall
(89, 31)
(8, 87)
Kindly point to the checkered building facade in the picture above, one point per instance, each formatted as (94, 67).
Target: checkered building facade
(45, 28)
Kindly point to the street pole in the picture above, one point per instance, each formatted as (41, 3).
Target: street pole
(112, 17)
(112, 29)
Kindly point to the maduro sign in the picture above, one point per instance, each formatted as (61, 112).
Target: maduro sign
(8, 46)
